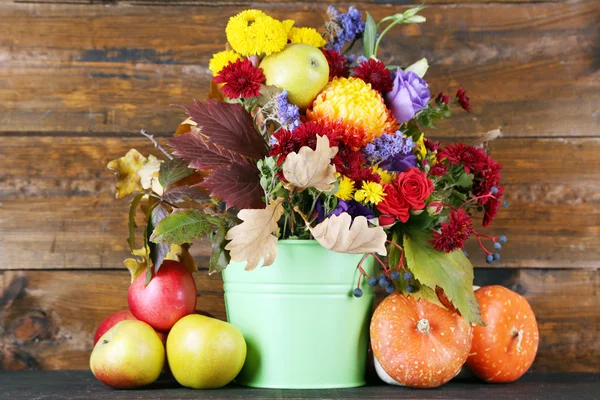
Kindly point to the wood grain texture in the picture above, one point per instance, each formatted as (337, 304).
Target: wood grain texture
(58, 207)
(132, 62)
(51, 323)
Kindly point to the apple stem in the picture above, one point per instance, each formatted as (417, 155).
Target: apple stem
(519, 334)
(423, 326)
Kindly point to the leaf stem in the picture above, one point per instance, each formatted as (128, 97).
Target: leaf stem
(158, 146)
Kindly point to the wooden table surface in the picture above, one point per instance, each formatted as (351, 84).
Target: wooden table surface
(82, 385)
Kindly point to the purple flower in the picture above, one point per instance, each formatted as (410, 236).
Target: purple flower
(354, 208)
(386, 146)
(344, 27)
(399, 163)
(351, 207)
(409, 95)
(288, 114)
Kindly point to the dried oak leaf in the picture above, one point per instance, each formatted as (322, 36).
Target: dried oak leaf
(225, 143)
(311, 168)
(342, 234)
(253, 239)
(126, 169)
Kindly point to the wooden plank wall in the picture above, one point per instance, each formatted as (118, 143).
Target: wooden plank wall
(79, 78)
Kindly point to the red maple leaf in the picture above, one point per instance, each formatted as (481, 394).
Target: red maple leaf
(226, 143)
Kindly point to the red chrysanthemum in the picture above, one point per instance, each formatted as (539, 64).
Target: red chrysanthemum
(241, 79)
(432, 145)
(463, 99)
(347, 161)
(338, 64)
(438, 169)
(492, 206)
(472, 158)
(374, 72)
(486, 179)
(442, 98)
(453, 234)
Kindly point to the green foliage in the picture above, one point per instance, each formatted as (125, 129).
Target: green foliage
(219, 257)
(369, 36)
(271, 185)
(131, 224)
(185, 227)
(172, 171)
(158, 251)
(451, 271)
(428, 116)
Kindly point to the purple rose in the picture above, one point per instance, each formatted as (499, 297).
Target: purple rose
(409, 95)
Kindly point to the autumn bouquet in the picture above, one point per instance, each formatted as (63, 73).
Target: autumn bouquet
(302, 139)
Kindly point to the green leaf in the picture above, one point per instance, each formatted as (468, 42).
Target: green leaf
(369, 36)
(219, 257)
(158, 251)
(132, 210)
(172, 171)
(451, 271)
(465, 180)
(185, 227)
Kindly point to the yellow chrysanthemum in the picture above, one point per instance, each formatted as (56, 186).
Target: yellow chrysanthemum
(254, 32)
(360, 108)
(371, 192)
(345, 189)
(385, 176)
(287, 25)
(420, 148)
(306, 36)
(221, 59)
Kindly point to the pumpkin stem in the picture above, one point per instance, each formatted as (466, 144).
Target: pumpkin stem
(423, 326)
(519, 334)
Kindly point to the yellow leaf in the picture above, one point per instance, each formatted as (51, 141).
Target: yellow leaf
(137, 265)
(185, 127)
(312, 168)
(182, 254)
(253, 239)
(335, 233)
(126, 169)
(149, 175)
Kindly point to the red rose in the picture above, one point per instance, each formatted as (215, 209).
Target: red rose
(414, 187)
(394, 205)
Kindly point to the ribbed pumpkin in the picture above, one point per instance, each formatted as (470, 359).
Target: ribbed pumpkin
(504, 349)
(417, 343)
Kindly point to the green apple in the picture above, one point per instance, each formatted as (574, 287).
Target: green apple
(301, 69)
(205, 353)
(128, 355)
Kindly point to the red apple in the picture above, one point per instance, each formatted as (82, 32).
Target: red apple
(170, 296)
(111, 321)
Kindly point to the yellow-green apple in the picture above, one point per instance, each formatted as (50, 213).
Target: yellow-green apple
(205, 353)
(301, 69)
(111, 321)
(129, 355)
(170, 295)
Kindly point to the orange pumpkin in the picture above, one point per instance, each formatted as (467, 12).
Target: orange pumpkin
(504, 349)
(418, 343)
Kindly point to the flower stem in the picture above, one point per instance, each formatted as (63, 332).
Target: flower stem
(155, 143)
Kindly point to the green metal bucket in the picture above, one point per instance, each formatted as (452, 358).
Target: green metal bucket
(303, 327)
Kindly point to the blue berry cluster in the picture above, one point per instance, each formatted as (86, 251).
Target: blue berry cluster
(387, 282)
(492, 258)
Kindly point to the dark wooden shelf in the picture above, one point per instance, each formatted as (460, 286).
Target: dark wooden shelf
(82, 385)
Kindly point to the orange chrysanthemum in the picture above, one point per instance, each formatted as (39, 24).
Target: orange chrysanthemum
(359, 107)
